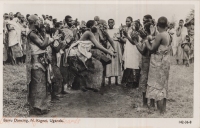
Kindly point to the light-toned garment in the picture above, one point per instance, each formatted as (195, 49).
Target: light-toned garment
(131, 55)
(115, 68)
(180, 39)
(82, 50)
(14, 36)
(159, 73)
(14, 39)
(174, 43)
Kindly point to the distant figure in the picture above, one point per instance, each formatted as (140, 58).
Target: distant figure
(187, 50)
(172, 32)
(181, 33)
(96, 18)
(14, 40)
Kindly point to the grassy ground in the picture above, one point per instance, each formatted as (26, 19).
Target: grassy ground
(14, 91)
(117, 102)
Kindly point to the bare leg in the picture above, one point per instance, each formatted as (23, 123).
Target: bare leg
(152, 103)
(177, 61)
(109, 80)
(104, 75)
(162, 106)
(145, 100)
(116, 80)
(158, 105)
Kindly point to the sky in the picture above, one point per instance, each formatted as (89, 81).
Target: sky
(118, 12)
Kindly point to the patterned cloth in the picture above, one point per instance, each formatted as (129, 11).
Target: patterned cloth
(131, 76)
(159, 74)
(81, 76)
(38, 97)
(145, 62)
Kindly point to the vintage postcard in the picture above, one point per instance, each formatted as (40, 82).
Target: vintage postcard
(100, 64)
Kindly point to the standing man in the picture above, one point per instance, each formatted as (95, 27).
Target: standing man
(114, 69)
(181, 33)
(172, 32)
(71, 36)
(37, 67)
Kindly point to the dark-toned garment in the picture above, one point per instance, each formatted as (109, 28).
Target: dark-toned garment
(24, 41)
(5, 46)
(58, 79)
(90, 77)
(131, 76)
(38, 96)
(144, 72)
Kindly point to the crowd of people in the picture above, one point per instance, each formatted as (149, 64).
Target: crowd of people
(81, 55)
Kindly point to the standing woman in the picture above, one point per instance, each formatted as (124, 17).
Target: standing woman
(131, 57)
(157, 88)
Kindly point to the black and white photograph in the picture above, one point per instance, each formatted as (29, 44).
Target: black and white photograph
(107, 60)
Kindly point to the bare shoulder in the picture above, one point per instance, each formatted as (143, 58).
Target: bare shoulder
(32, 34)
(88, 32)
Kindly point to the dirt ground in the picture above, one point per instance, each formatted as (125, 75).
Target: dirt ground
(117, 101)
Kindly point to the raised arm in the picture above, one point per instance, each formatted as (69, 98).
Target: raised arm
(152, 47)
(141, 47)
(109, 39)
(36, 40)
(128, 37)
(9, 27)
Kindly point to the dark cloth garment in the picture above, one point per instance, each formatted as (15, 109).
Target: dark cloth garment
(64, 71)
(90, 77)
(5, 52)
(101, 56)
(58, 79)
(5, 47)
(144, 72)
(131, 76)
(38, 96)
(76, 66)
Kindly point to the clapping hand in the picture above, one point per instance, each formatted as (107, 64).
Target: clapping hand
(105, 33)
(57, 36)
(113, 54)
(125, 33)
(135, 36)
